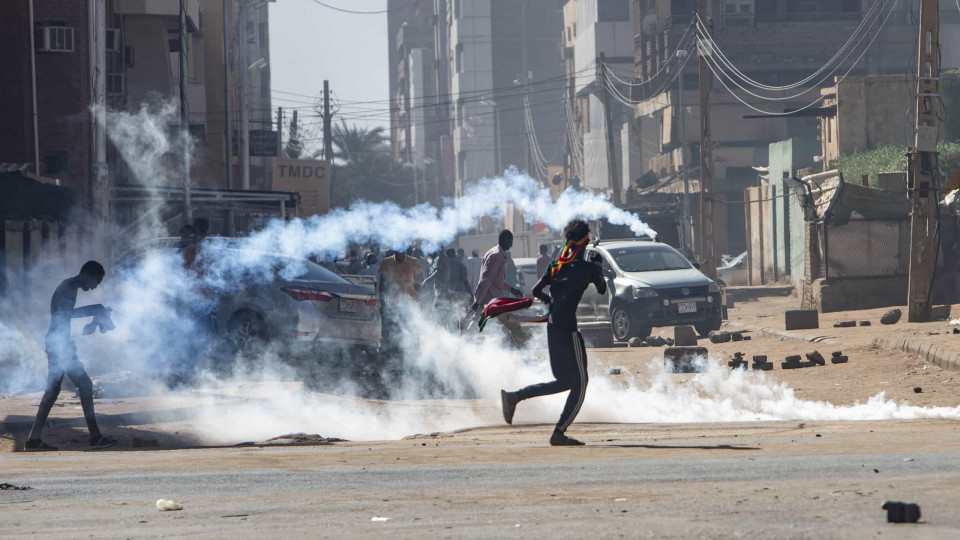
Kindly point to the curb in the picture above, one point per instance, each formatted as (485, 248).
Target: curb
(937, 356)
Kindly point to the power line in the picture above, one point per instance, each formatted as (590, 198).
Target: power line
(356, 12)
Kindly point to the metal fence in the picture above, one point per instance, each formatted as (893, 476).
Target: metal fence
(866, 249)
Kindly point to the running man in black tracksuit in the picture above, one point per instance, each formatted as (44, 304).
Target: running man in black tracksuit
(568, 278)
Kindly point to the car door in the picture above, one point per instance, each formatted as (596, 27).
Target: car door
(604, 301)
(591, 303)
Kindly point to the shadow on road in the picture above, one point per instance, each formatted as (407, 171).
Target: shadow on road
(676, 446)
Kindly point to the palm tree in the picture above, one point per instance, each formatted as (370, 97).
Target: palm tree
(356, 143)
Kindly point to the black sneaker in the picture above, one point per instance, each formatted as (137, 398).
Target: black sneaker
(508, 402)
(559, 438)
(37, 445)
(101, 442)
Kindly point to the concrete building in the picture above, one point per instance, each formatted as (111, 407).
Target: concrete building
(592, 28)
(862, 113)
(142, 66)
(486, 55)
(774, 43)
(63, 73)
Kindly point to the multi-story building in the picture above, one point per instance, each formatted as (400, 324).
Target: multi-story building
(475, 60)
(57, 82)
(141, 66)
(775, 43)
(593, 28)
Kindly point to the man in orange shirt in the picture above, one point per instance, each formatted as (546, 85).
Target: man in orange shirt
(400, 278)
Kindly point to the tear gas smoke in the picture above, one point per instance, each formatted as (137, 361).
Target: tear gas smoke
(154, 337)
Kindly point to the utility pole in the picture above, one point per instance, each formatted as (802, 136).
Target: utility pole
(613, 172)
(184, 116)
(685, 218)
(227, 83)
(327, 127)
(922, 167)
(101, 181)
(33, 90)
(244, 121)
(708, 256)
(279, 131)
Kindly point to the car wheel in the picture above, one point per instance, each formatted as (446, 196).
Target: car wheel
(247, 332)
(705, 327)
(624, 327)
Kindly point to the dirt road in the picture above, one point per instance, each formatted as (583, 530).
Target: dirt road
(650, 478)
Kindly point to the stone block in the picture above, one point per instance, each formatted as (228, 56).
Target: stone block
(816, 358)
(845, 324)
(684, 336)
(939, 313)
(801, 319)
(684, 359)
(891, 317)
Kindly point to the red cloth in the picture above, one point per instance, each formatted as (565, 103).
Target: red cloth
(500, 306)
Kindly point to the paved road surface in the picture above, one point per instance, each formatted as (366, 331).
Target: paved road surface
(760, 480)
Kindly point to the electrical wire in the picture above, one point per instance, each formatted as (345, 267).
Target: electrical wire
(356, 12)
(715, 53)
(872, 13)
(718, 71)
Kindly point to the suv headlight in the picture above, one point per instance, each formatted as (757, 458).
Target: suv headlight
(714, 288)
(644, 292)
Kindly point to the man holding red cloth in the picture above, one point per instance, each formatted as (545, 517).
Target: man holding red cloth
(568, 278)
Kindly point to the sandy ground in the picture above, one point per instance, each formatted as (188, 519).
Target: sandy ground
(797, 479)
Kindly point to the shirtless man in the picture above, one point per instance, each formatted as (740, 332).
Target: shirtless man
(62, 354)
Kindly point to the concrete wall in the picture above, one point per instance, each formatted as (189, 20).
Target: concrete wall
(873, 112)
(786, 158)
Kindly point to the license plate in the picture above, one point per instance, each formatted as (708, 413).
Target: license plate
(687, 307)
(349, 305)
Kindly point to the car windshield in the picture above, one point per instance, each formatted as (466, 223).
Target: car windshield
(649, 259)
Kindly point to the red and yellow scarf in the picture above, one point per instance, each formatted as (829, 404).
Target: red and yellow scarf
(571, 250)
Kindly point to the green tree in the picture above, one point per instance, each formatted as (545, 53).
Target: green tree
(364, 169)
(354, 143)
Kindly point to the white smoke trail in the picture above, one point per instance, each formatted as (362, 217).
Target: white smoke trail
(390, 226)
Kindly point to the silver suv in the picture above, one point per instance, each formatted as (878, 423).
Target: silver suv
(653, 285)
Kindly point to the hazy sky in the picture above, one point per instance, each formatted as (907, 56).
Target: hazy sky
(310, 43)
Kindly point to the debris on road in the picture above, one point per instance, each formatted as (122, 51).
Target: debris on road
(614, 371)
(13, 487)
(917, 390)
(637, 342)
(736, 336)
(684, 359)
(816, 358)
(760, 363)
(845, 324)
(719, 336)
(838, 358)
(901, 512)
(656, 341)
(891, 317)
(801, 319)
(864, 323)
(378, 518)
(791, 362)
(684, 336)
(738, 361)
(168, 505)
(300, 439)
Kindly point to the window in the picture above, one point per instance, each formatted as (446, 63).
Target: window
(54, 39)
(613, 10)
(112, 40)
(115, 84)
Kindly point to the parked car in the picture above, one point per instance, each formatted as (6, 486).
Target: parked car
(734, 271)
(653, 285)
(286, 301)
(527, 271)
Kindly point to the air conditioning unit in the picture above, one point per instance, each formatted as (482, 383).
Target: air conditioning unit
(112, 40)
(115, 84)
(54, 39)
